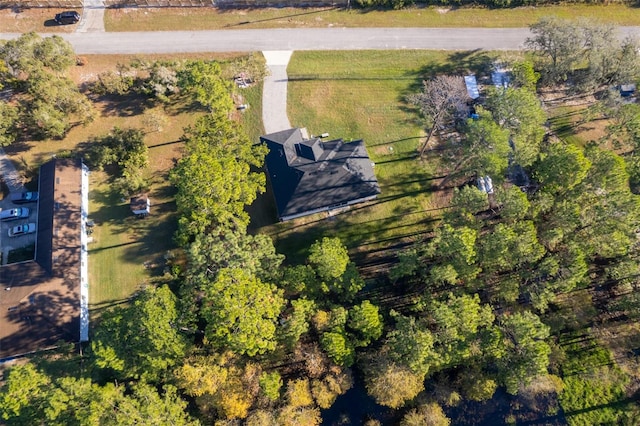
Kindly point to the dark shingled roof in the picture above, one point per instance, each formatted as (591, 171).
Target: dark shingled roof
(45, 215)
(309, 175)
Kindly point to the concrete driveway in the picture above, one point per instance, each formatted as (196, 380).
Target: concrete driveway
(92, 17)
(274, 92)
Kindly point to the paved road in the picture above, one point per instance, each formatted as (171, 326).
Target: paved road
(301, 39)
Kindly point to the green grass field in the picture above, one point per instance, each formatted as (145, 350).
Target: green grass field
(362, 96)
(562, 125)
(149, 19)
(127, 251)
(204, 18)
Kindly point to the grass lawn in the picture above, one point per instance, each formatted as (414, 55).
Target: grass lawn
(126, 251)
(594, 385)
(563, 124)
(124, 244)
(362, 96)
(152, 19)
(149, 19)
(574, 120)
(37, 19)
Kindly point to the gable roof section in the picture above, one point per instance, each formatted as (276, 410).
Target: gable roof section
(45, 215)
(309, 175)
(40, 299)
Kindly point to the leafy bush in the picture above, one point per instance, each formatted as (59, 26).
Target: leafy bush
(125, 153)
(595, 386)
(112, 83)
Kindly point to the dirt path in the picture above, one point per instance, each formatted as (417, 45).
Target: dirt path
(11, 177)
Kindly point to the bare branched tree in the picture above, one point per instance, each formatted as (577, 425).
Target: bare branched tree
(560, 44)
(564, 48)
(443, 99)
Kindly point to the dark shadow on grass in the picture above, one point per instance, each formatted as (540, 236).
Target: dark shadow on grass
(17, 147)
(293, 15)
(113, 210)
(461, 63)
(125, 105)
(165, 144)
(108, 304)
(318, 77)
(155, 232)
(398, 159)
(396, 141)
(99, 249)
(184, 105)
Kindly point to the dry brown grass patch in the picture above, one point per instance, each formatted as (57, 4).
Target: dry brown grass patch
(26, 20)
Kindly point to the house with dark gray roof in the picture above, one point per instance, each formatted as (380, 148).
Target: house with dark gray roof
(45, 300)
(309, 175)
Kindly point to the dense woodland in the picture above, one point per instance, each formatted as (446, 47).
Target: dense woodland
(236, 334)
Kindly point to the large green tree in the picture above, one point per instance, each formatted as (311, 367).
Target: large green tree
(558, 43)
(216, 179)
(514, 204)
(510, 246)
(8, 123)
(411, 344)
(30, 52)
(223, 248)
(30, 397)
(50, 102)
(526, 350)
(204, 81)
(520, 111)
(23, 395)
(141, 340)
(366, 322)
(454, 249)
(561, 167)
(337, 274)
(485, 150)
(241, 312)
(589, 51)
(456, 325)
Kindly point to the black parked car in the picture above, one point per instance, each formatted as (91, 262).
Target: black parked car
(24, 197)
(68, 17)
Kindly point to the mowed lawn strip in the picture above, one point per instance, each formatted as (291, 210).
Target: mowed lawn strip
(361, 95)
(127, 251)
(167, 19)
(206, 18)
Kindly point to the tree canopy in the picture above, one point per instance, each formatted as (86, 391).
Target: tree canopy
(141, 340)
(241, 312)
(50, 102)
